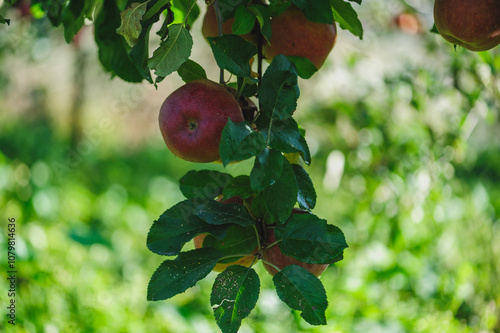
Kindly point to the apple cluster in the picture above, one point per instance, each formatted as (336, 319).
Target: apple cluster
(192, 118)
(265, 216)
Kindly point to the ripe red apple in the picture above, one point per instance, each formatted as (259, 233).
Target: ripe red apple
(192, 119)
(472, 24)
(244, 261)
(210, 28)
(277, 258)
(294, 35)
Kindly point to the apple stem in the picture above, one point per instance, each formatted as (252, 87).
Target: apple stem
(260, 56)
(259, 246)
(272, 265)
(240, 91)
(270, 245)
(218, 17)
(269, 131)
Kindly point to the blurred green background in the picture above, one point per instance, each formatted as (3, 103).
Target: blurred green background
(405, 134)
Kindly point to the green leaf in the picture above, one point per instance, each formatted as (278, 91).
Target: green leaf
(250, 88)
(182, 7)
(244, 21)
(113, 50)
(310, 239)
(218, 213)
(73, 19)
(52, 8)
(346, 17)
(259, 206)
(190, 71)
(279, 90)
(233, 53)
(140, 52)
(234, 295)
(228, 7)
(238, 240)
(177, 226)
(318, 11)
(285, 136)
(301, 290)
(156, 8)
(239, 142)
(305, 68)
(173, 52)
(203, 184)
(90, 8)
(267, 169)
(4, 20)
(264, 18)
(278, 7)
(176, 276)
(130, 27)
(238, 187)
(282, 195)
(163, 31)
(306, 192)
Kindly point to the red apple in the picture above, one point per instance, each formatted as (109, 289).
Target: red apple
(472, 24)
(277, 258)
(294, 35)
(192, 119)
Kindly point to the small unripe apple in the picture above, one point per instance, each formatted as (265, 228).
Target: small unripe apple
(192, 119)
(244, 261)
(294, 35)
(472, 24)
(278, 259)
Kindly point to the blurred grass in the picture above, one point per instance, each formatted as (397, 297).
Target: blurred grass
(406, 163)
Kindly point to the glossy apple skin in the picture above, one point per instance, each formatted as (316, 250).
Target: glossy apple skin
(294, 35)
(277, 258)
(210, 29)
(192, 119)
(472, 24)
